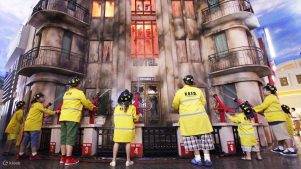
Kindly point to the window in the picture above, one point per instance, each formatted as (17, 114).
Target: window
(213, 5)
(189, 8)
(107, 52)
(181, 50)
(71, 5)
(176, 8)
(94, 51)
(66, 46)
(221, 43)
(143, 7)
(96, 8)
(298, 79)
(283, 81)
(229, 92)
(109, 11)
(195, 55)
(144, 33)
(59, 93)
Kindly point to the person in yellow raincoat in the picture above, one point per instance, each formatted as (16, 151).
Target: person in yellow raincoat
(33, 125)
(14, 127)
(124, 127)
(276, 119)
(73, 102)
(246, 131)
(195, 125)
(289, 124)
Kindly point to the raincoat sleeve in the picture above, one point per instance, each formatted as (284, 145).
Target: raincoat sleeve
(234, 119)
(203, 99)
(134, 114)
(266, 103)
(87, 103)
(176, 102)
(42, 109)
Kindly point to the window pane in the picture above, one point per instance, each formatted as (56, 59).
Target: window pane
(181, 50)
(72, 5)
(153, 5)
(176, 8)
(109, 8)
(283, 81)
(133, 5)
(155, 39)
(195, 55)
(140, 48)
(189, 8)
(96, 8)
(229, 92)
(133, 39)
(147, 5)
(213, 5)
(298, 79)
(139, 5)
(67, 41)
(221, 43)
(107, 51)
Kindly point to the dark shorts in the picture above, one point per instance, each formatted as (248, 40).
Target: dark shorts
(200, 142)
(33, 137)
(69, 131)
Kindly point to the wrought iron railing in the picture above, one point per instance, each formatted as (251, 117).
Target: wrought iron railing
(225, 7)
(217, 141)
(70, 7)
(52, 57)
(45, 140)
(77, 150)
(237, 140)
(105, 143)
(235, 57)
(159, 141)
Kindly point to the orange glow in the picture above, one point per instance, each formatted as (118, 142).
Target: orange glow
(96, 8)
(109, 8)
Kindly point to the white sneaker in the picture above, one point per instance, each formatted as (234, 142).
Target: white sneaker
(113, 163)
(129, 163)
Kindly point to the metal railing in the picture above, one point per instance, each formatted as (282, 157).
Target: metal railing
(224, 8)
(52, 57)
(246, 55)
(217, 141)
(45, 140)
(69, 7)
(159, 141)
(77, 150)
(237, 140)
(105, 143)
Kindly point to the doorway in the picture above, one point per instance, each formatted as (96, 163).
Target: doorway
(148, 93)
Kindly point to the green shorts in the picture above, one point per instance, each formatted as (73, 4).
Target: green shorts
(69, 131)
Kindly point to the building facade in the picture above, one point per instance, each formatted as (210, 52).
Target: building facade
(147, 46)
(288, 82)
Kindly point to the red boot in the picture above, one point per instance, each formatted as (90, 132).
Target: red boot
(71, 161)
(21, 157)
(63, 160)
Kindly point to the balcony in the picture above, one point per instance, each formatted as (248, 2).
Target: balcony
(62, 11)
(227, 10)
(241, 59)
(51, 59)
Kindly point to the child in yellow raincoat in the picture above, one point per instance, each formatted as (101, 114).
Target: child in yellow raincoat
(124, 127)
(246, 131)
(14, 127)
(33, 125)
(289, 123)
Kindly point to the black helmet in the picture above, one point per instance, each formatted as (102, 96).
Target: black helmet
(74, 81)
(247, 109)
(38, 95)
(189, 80)
(125, 98)
(20, 104)
(271, 88)
(286, 109)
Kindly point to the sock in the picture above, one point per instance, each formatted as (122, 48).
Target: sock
(207, 157)
(21, 153)
(291, 149)
(35, 153)
(280, 148)
(197, 157)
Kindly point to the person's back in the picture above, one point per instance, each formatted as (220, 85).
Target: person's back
(15, 124)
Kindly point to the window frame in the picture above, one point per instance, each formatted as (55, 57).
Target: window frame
(280, 80)
(298, 78)
(215, 44)
(105, 8)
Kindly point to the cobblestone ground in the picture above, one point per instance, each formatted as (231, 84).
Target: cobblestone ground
(271, 161)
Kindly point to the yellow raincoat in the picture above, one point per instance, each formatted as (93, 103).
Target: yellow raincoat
(73, 102)
(34, 118)
(124, 127)
(289, 125)
(246, 130)
(15, 124)
(190, 102)
(271, 108)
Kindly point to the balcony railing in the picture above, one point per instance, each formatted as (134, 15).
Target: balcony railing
(69, 7)
(52, 57)
(236, 57)
(224, 8)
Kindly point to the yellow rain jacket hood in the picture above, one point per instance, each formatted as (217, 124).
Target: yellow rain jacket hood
(190, 102)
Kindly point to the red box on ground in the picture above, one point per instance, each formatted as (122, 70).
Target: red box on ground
(87, 149)
(136, 150)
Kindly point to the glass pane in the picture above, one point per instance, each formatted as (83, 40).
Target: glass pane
(139, 5)
(71, 5)
(189, 9)
(148, 47)
(66, 47)
(133, 5)
(153, 5)
(133, 39)
(107, 51)
(96, 8)
(221, 43)
(155, 41)
(195, 51)
(147, 5)
(140, 33)
(109, 9)
(176, 8)
(181, 50)
(152, 89)
(140, 48)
